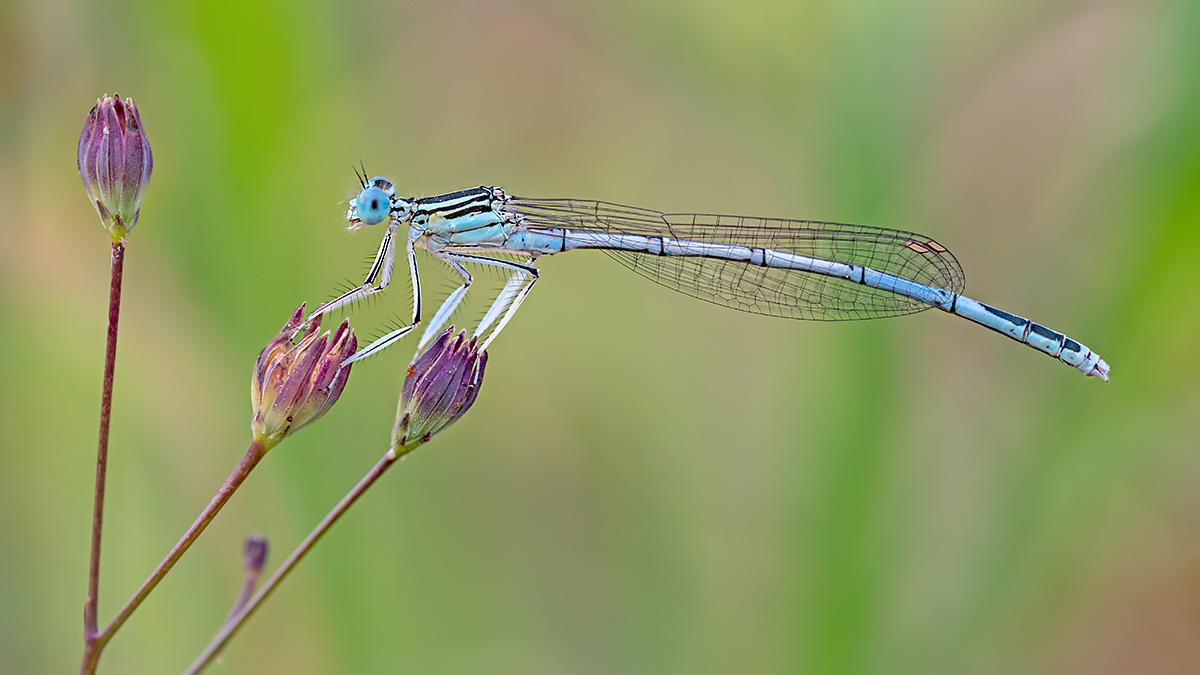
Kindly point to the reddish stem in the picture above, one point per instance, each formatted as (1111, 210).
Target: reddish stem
(234, 622)
(95, 645)
(110, 361)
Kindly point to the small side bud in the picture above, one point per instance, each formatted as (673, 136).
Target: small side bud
(292, 386)
(115, 163)
(440, 386)
(254, 554)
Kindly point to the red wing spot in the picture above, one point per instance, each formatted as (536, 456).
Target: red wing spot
(936, 246)
(917, 247)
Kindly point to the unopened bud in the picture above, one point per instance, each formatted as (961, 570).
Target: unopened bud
(294, 385)
(441, 385)
(115, 163)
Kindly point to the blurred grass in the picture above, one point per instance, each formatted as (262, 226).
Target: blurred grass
(648, 483)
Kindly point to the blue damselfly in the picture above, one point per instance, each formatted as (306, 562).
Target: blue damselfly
(798, 269)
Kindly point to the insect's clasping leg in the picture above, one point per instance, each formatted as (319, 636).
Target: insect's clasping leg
(381, 270)
(396, 335)
(511, 296)
(450, 304)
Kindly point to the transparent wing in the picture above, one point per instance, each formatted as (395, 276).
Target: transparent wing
(764, 290)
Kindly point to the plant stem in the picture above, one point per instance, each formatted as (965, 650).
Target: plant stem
(231, 625)
(254, 455)
(254, 556)
(90, 606)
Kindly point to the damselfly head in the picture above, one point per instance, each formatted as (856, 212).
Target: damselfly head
(374, 203)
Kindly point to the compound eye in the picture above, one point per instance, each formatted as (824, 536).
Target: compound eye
(372, 205)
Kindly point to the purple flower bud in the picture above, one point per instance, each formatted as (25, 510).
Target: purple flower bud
(115, 163)
(294, 385)
(441, 385)
(254, 553)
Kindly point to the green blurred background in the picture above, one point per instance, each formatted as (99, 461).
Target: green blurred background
(647, 484)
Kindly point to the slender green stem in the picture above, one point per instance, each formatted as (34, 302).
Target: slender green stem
(254, 455)
(234, 623)
(90, 607)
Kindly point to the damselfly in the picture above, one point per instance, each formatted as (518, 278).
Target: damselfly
(798, 269)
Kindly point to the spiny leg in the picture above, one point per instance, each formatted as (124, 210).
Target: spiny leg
(455, 298)
(511, 296)
(510, 299)
(448, 305)
(505, 298)
(391, 338)
(381, 270)
(443, 312)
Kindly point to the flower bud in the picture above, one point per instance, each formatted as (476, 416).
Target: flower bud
(115, 163)
(294, 385)
(254, 554)
(439, 388)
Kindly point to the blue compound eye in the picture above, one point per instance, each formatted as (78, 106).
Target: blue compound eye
(372, 205)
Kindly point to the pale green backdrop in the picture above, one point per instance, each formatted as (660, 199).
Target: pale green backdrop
(647, 484)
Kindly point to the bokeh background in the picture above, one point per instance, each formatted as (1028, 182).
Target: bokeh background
(647, 484)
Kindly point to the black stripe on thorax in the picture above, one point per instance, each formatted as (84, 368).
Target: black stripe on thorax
(456, 204)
